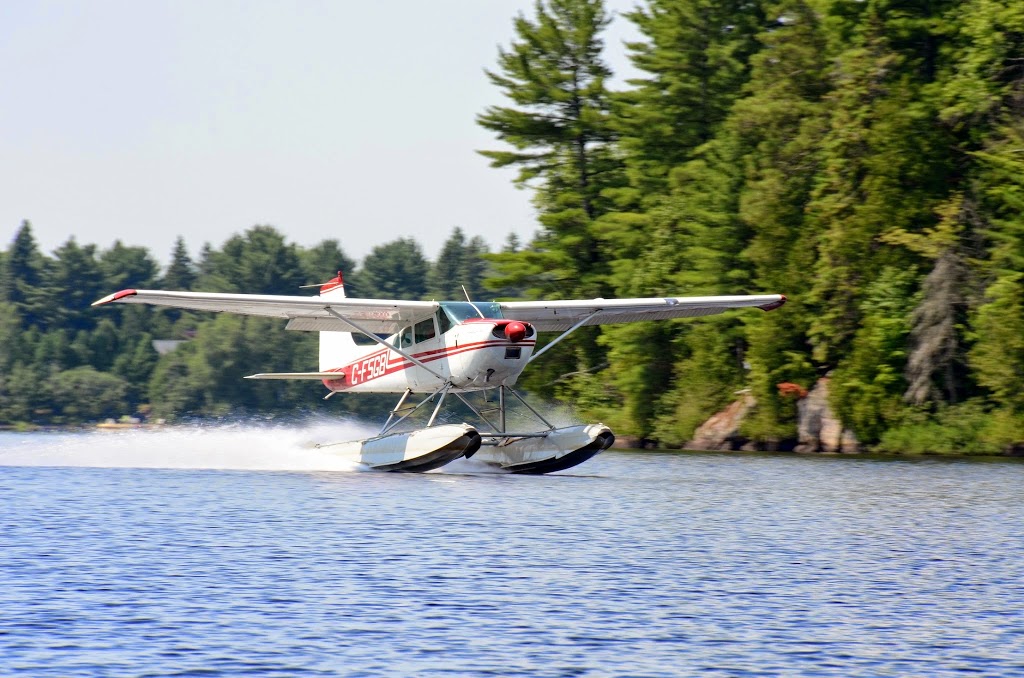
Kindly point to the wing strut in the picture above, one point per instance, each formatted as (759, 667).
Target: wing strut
(371, 335)
(561, 336)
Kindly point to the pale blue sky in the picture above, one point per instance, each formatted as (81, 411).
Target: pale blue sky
(141, 120)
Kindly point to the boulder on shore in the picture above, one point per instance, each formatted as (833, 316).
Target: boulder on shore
(722, 430)
(818, 428)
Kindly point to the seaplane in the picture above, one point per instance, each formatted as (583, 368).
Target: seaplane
(431, 351)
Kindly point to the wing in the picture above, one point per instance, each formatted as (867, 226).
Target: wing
(381, 316)
(550, 316)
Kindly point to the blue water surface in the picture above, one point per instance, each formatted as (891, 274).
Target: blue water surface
(633, 564)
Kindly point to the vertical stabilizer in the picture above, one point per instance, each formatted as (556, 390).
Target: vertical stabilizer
(336, 348)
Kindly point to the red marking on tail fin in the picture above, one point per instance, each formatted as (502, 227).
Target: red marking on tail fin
(338, 281)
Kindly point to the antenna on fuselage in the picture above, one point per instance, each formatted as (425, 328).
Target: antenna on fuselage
(478, 311)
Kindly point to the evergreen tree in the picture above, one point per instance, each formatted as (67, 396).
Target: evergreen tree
(678, 231)
(25, 283)
(562, 136)
(459, 265)
(321, 262)
(395, 270)
(778, 129)
(181, 272)
(997, 356)
(695, 57)
(256, 262)
(77, 280)
(126, 267)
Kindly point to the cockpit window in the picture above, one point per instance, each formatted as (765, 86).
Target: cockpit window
(424, 330)
(459, 311)
(404, 338)
(444, 323)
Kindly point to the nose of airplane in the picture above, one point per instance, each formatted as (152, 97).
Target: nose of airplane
(515, 331)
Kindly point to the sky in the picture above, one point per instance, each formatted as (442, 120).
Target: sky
(141, 121)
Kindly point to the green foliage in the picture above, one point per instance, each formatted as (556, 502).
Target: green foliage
(460, 265)
(396, 270)
(867, 388)
(257, 262)
(997, 356)
(705, 378)
(864, 158)
(181, 273)
(959, 429)
(560, 128)
(83, 394)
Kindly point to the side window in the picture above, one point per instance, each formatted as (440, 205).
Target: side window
(444, 323)
(425, 330)
(404, 338)
(362, 340)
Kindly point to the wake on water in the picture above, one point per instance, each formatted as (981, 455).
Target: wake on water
(252, 446)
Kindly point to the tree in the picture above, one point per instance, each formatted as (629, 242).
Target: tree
(773, 134)
(24, 282)
(83, 394)
(77, 280)
(256, 262)
(321, 262)
(695, 58)
(676, 230)
(997, 356)
(395, 270)
(181, 272)
(562, 136)
(459, 264)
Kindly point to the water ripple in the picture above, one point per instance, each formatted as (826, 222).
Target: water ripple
(640, 565)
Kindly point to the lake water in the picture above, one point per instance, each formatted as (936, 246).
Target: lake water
(238, 551)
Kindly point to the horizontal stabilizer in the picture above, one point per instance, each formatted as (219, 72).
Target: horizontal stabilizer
(298, 375)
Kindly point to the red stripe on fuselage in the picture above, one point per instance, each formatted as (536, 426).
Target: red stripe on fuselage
(401, 363)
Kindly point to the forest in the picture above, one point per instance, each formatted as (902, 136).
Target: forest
(865, 158)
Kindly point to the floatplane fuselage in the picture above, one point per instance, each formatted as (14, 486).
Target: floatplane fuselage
(441, 349)
(456, 346)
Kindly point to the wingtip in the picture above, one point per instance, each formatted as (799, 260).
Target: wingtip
(775, 304)
(110, 298)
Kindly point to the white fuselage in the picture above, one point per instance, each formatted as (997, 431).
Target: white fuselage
(473, 355)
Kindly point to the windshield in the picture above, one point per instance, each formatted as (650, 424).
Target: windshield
(459, 311)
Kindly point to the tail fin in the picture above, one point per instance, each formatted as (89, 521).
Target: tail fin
(336, 348)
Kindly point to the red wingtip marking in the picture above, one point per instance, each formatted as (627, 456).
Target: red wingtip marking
(110, 298)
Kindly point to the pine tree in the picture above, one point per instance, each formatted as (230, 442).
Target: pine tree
(181, 272)
(395, 270)
(997, 356)
(259, 261)
(562, 136)
(777, 130)
(25, 283)
(676, 231)
(77, 280)
(460, 264)
(695, 59)
(326, 258)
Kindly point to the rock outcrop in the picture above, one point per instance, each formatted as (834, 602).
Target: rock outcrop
(818, 428)
(722, 430)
